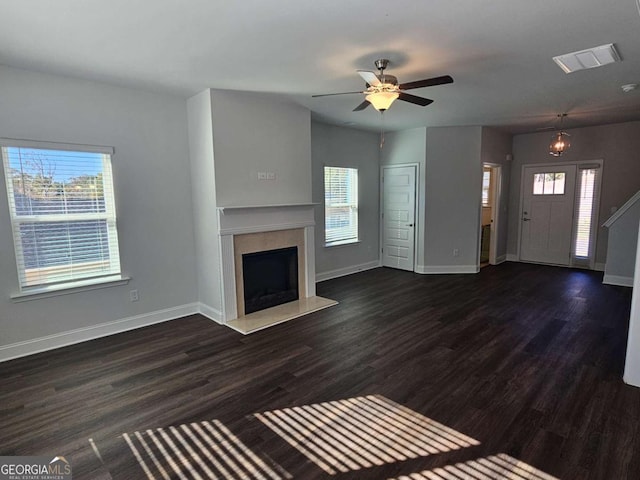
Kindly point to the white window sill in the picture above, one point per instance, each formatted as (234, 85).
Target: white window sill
(341, 243)
(36, 293)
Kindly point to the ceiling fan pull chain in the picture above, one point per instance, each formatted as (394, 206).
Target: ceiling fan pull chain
(382, 130)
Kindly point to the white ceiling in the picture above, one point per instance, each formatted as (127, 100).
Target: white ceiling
(499, 53)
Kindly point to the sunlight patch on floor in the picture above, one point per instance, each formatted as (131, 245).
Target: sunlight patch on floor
(362, 432)
(197, 451)
(495, 467)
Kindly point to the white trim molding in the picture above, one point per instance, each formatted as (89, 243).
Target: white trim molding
(501, 259)
(261, 219)
(618, 213)
(618, 280)
(446, 269)
(71, 337)
(211, 313)
(512, 257)
(341, 272)
(599, 267)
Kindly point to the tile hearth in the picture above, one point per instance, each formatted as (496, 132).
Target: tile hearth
(281, 313)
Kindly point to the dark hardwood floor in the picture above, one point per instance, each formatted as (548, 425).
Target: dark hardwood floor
(526, 360)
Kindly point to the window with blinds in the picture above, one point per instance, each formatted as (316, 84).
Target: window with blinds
(340, 205)
(62, 212)
(486, 187)
(585, 203)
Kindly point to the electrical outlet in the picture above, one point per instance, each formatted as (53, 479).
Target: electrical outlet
(271, 176)
(262, 175)
(133, 295)
(456, 252)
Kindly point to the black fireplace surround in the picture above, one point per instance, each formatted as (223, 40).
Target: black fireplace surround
(270, 278)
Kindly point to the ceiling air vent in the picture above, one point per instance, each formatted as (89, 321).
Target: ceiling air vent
(590, 58)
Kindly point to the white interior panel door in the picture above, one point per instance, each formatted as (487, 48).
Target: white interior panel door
(398, 217)
(547, 214)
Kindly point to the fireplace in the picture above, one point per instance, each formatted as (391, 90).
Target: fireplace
(253, 229)
(245, 231)
(270, 278)
(244, 245)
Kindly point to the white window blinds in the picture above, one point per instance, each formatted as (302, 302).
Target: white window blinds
(586, 198)
(340, 205)
(62, 212)
(486, 185)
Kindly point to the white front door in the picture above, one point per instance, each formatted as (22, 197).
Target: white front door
(547, 214)
(398, 216)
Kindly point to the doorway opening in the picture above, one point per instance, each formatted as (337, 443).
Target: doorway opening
(491, 181)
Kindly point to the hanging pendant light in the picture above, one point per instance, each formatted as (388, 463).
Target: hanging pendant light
(560, 142)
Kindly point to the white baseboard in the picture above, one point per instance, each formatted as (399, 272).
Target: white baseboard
(501, 259)
(512, 258)
(445, 269)
(631, 378)
(599, 267)
(211, 313)
(63, 339)
(341, 272)
(618, 280)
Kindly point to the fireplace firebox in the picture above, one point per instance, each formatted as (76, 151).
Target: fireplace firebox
(270, 278)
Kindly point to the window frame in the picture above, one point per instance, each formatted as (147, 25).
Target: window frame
(486, 188)
(590, 260)
(553, 183)
(113, 275)
(353, 193)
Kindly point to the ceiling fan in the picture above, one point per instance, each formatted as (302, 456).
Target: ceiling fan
(381, 89)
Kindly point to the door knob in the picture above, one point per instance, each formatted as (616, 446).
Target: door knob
(526, 219)
(410, 225)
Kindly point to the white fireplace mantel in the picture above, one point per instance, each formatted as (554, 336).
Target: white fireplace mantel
(237, 220)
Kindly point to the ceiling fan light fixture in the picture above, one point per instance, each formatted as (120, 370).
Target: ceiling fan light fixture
(381, 101)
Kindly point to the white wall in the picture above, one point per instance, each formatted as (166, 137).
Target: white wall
(410, 146)
(617, 144)
(153, 202)
(346, 147)
(453, 199)
(260, 133)
(203, 193)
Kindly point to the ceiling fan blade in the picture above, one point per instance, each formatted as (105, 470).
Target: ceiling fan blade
(331, 94)
(429, 82)
(423, 102)
(362, 106)
(370, 77)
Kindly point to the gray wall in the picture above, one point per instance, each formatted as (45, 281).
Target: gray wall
(203, 193)
(345, 147)
(152, 193)
(453, 199)
(496, 146)
(410, 146)
(632, 362)
(618, 145)
(232, 137)
(622, 246)
(260, 133)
